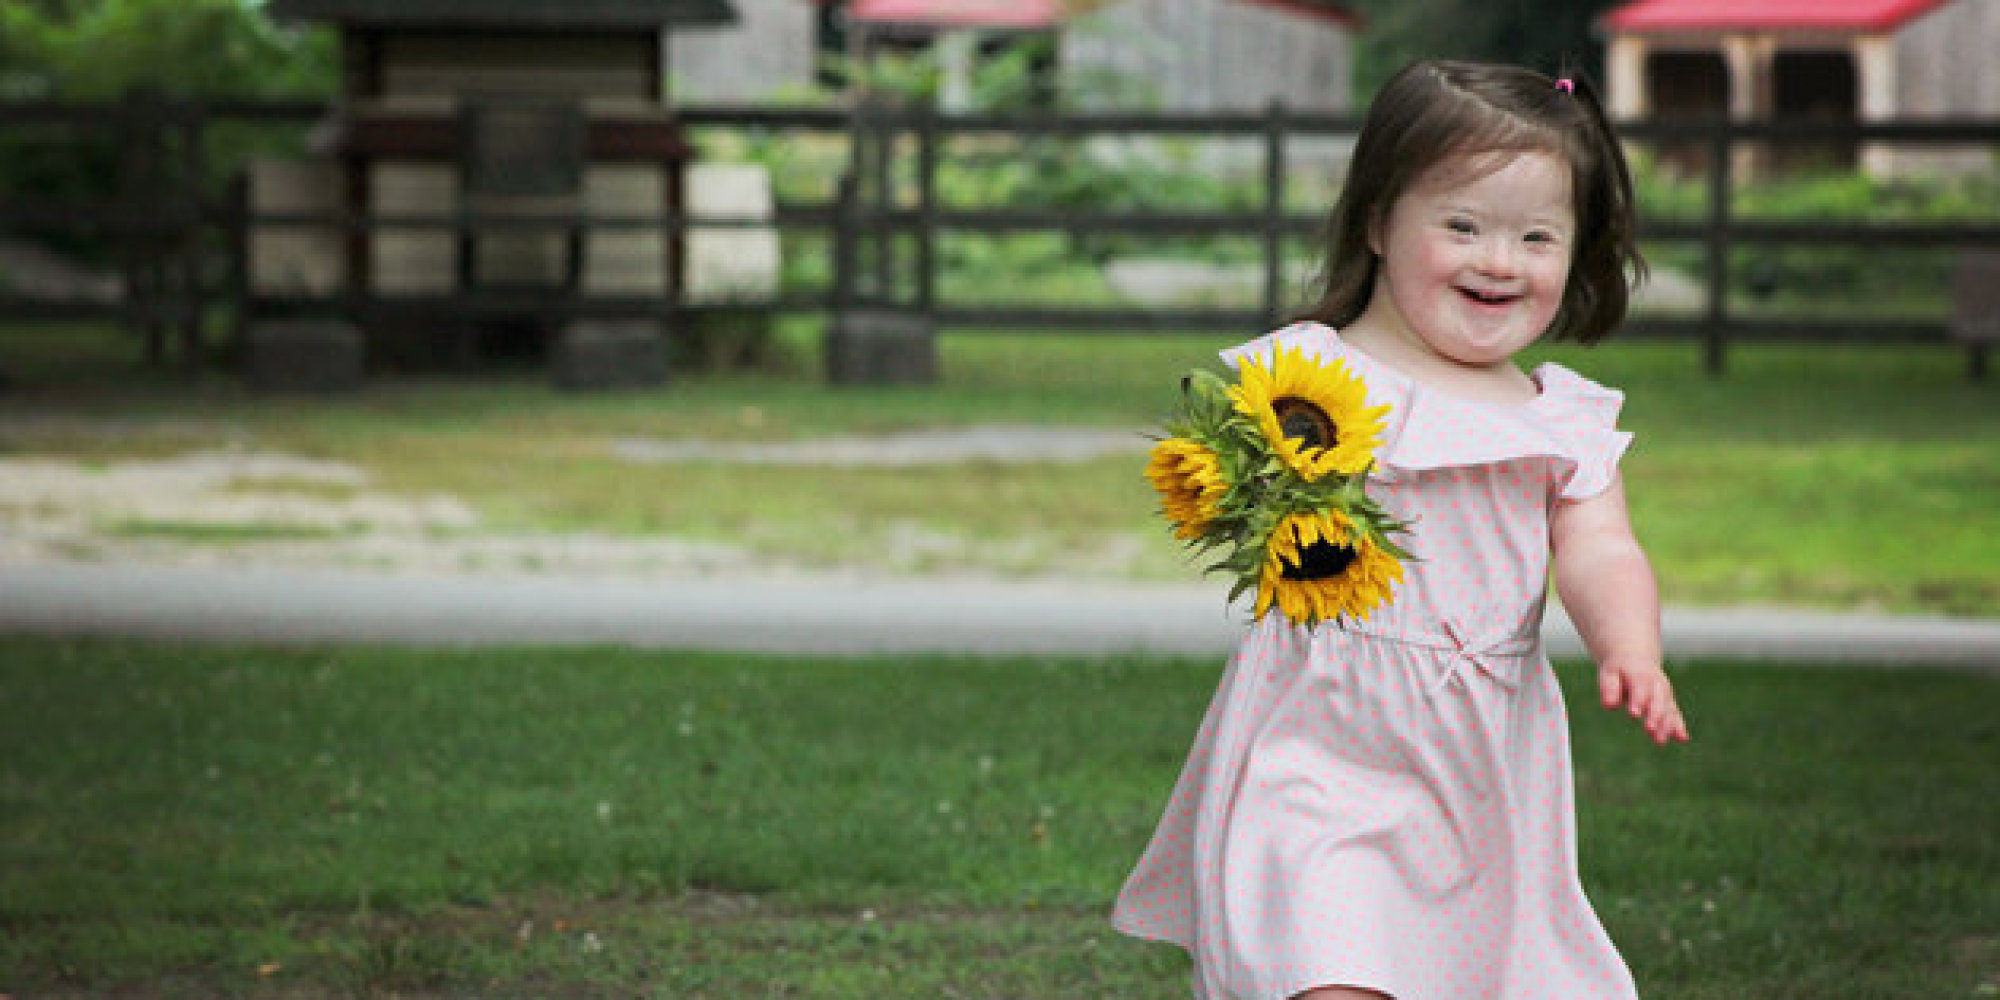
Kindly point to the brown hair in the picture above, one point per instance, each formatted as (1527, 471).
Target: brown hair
(1433, 110)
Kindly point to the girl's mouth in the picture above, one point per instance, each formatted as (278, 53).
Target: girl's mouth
(1488, 298)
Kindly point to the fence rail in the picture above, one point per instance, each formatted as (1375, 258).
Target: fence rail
(169, 220)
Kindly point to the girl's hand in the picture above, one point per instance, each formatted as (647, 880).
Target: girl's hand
(1644, 691)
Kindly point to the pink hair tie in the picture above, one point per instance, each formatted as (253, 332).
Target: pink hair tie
(1566, 85)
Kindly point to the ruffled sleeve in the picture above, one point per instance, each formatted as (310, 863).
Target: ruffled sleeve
(1573, 422)
(1315, 340)
(1322, 344)
(1584, 416)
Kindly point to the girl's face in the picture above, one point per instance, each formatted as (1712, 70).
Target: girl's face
(1475, 256)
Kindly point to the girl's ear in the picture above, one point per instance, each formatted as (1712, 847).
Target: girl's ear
(1375, 233)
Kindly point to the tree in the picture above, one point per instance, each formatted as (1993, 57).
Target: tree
(98, 49)
(1548, 35)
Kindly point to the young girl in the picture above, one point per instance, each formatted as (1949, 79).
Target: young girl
(1383, 808)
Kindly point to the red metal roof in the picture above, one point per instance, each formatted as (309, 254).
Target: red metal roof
(960, 13)
(1042, 13)
(1319, 9)
(1849, 15)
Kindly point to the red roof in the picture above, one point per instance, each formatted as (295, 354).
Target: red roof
(1041, 13)
(1320, 9)
(960, 13)
(1848, 15)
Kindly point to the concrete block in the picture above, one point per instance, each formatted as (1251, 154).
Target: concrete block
(1975, 297)
(609, 354)
(731, 263)
(877, 347)
(413, 261)
(624, 261)
(296, 260)
(303, 355)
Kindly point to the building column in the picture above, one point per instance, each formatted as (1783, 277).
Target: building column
(1626, 61)
(957, 51)
(1875, 66)
(1749, 59)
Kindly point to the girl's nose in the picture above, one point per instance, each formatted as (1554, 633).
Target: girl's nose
(1496, 257)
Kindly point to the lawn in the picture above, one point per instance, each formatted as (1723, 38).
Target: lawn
(1830, 476)
(195, 821)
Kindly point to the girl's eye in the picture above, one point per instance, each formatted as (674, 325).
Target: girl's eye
(1542, 238)
(1463, 227)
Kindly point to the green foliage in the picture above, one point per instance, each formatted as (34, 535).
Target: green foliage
(105, 50)
(1843, 278)
(99, 49)
(1012, 75)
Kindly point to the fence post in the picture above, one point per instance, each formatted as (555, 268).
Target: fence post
(1715, 336)
(844, 222)
(1274, 211)
(236, 235)
(876, 140)
(140, 223)
(927, 164)
(191, 218)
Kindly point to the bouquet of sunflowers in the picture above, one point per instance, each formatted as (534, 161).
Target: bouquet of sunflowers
(1268, 473)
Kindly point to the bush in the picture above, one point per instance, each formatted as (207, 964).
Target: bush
(99, 49)
(1847, 279)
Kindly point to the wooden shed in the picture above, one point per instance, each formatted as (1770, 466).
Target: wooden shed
(1173, 55)
(1812, 60)
(521, 109)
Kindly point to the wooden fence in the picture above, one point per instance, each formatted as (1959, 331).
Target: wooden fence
(873, 217)
(179, 235)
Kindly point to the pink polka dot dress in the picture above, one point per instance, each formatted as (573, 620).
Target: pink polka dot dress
(1388, 805)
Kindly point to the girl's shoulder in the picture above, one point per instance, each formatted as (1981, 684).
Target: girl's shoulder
(1317, 340)
(1562, 393)
(1567, 393)
(1572, 419)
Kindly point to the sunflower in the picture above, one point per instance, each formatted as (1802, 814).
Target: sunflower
(1314, 415)
(1317, 567)
(1191, 484)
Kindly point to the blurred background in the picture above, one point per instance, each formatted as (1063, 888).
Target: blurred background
(496, 287)
(833, 293)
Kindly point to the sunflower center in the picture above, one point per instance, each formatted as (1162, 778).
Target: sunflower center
(1303, 420)
(1319, 560)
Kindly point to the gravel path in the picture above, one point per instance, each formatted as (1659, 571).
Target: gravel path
(836, 614)
(375, 567)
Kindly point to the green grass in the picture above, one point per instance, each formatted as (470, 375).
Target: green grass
(612, 823)
(1833, 476)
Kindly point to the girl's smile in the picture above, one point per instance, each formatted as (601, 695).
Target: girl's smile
(1475, 257)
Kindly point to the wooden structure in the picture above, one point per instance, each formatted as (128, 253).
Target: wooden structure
(888, 275)
(483, 140)
(1811, 61)
(1121, 55)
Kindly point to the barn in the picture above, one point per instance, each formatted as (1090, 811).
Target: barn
(1811, 60)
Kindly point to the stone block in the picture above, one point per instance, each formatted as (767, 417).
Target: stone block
(288, 259)
(730, 264)
(303, 355)
(609, 354)
(1975, 297)
(877, 347)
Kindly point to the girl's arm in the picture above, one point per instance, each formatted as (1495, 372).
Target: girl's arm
(1607, 587)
